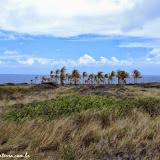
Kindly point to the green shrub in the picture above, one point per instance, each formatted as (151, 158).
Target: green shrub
(10, 92)
(10, 84)
(73, 105)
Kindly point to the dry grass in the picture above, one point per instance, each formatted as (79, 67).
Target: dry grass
(36, 96)
(91, 135)
(128, 91)
(142, 92)
(85, 137)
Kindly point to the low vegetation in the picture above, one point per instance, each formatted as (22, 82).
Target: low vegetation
(9, 93)
(72, 105)
(72, 122)
(83, 127)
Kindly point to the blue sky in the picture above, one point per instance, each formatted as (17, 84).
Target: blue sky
(98, 35)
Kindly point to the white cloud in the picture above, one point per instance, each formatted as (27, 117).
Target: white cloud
(104, 60)
(153, 57)
(7, 36)
(86, 59)
(155, 51)
(29, 61)
(148, 59)
(43, 61)
(11, 52)
(114, 59)
(14, 36)
(70, 18)
(58, 62)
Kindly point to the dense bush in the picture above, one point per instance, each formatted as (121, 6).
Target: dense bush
(51, 83)
(11, 84)
(11, 92)
(69, 105)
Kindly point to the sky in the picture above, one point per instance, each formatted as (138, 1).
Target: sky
(89, 35)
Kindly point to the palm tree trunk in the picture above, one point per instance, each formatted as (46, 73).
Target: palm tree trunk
(74, 80)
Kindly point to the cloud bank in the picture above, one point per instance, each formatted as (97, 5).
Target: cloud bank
(152, 57)
(11, 52)
(70, 18)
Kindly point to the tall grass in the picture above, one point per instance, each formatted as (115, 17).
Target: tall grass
(83, 127)
(91, 135)
(9, 93)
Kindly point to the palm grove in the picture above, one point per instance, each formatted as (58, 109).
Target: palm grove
(60, 76)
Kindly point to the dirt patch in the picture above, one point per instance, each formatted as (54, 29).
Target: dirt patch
(145, 85)
(107, 94)
(40, 87)
(100, 90)
(84, 88)
(152, 86)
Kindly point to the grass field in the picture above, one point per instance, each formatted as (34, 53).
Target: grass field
(81, 122)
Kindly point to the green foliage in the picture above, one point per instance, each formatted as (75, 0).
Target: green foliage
(11, 92)
(10, 84)
(149, 105)
(73, 105)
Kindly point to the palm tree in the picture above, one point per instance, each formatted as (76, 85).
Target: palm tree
(86, 81)
(67, 77)
(62, 78)
(111, 76)
(48, 79)
(36, 79)
(84, 75)
(44, 78)
(75, 76)
(51, 72)
(105, 76)
(32, 80)
(52, 77)
(102, 79)
(63, 69)
(99, 75)
(119, 76)
(62, 75)
(136, 74)
(122, 75)
(91, 78)
(57, 75)
(95, 78)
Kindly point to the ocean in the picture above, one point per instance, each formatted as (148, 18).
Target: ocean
(19, 78)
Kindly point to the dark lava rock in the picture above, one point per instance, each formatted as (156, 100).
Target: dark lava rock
(51, 83)
(40, 87)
